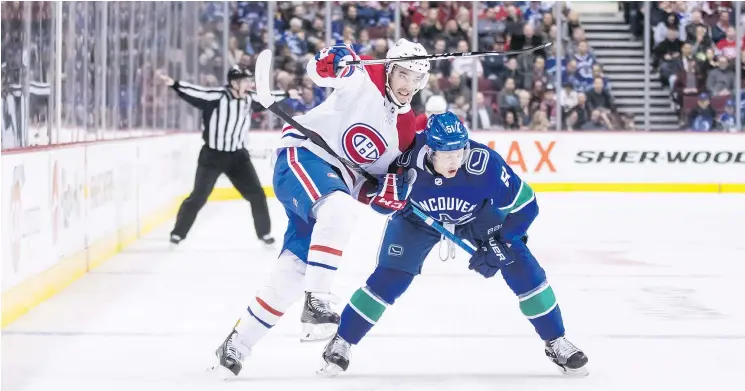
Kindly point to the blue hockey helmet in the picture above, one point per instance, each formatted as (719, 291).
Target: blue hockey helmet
(445, 132)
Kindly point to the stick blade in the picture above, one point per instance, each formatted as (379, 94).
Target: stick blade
(263, 75)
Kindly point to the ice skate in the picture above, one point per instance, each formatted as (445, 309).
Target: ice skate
(319, 320)
(570, 359)
(335, 357)
(230, 356)
(174, 241)
(268, 240)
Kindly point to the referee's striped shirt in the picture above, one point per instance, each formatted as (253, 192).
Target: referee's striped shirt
(226, 118)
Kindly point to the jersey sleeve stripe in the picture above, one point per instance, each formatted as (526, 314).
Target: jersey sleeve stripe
(288, 130)
(523, 197)
(293, 135)
(521, 205)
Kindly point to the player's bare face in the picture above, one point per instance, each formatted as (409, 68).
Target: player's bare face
(404, 82)
(447, 163)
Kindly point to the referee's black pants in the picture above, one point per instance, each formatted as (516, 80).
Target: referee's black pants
(239, 169)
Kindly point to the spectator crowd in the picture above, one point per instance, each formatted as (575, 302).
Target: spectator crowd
(512, 93)
(693, 47)
(694, 50)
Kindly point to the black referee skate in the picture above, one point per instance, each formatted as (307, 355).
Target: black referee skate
(336, 357)
(319, 320)
(175, 240)
(267, 239)
(230, 356)
(571, 360)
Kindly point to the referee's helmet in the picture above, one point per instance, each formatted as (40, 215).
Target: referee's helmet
(237, 73)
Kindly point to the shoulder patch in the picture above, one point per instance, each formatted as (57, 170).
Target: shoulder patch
(477, 161)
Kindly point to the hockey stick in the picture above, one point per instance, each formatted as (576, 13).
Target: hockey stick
(263, 90)
(444, 56)
(465, 245)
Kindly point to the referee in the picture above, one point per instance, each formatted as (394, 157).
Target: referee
(226, 118)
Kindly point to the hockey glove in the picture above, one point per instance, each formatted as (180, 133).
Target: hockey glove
(327, 60)
(393, 191)
(490, 257)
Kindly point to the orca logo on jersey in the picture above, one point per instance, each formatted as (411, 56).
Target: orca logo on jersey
(395, 250)
(362, 144)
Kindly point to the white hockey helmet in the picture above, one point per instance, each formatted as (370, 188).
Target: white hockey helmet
(406, 48)
(436, 104)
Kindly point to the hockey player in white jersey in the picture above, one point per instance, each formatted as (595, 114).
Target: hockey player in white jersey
(367, 120)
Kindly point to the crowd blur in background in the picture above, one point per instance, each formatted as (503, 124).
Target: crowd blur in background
(694, 48)
(77, 71)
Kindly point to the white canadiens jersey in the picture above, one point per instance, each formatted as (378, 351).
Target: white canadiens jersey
(357, 121)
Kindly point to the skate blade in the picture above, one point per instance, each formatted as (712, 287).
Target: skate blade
(579, 372)
(220, 372)
(329, 370)
(318, 332)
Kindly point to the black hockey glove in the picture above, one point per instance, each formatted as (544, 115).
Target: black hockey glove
(490, 257)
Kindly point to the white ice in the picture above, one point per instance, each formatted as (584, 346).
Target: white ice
(651, 287)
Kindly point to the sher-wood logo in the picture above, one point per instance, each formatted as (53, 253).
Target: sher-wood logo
(660, 157)
(67, 195)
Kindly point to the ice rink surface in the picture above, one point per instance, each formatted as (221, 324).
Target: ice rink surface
(651, 288)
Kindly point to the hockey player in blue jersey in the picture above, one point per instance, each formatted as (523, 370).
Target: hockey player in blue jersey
(470, 189)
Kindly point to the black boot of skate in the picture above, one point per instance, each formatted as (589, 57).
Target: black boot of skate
(319, 320)
(570, 359)
(267, 239)
(230, 356)
(175, 240)
(335, 357)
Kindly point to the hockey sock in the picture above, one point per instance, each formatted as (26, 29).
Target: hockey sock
(272, 300)
(527, 279)
(540, 307)
(368, 303)
(335, 220)
(260, 319)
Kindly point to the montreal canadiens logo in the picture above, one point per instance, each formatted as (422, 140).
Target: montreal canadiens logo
(362, 144)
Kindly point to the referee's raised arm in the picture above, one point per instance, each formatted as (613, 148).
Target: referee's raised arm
(198, 96)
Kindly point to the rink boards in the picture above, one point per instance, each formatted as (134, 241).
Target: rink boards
(618, 162)
(66, 210)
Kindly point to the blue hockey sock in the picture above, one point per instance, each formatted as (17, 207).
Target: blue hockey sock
(368, 303)
(527, 279)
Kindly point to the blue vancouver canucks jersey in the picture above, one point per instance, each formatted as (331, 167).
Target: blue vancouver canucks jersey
(484, 186)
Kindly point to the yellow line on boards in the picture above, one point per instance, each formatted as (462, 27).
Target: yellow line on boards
(18, 300)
